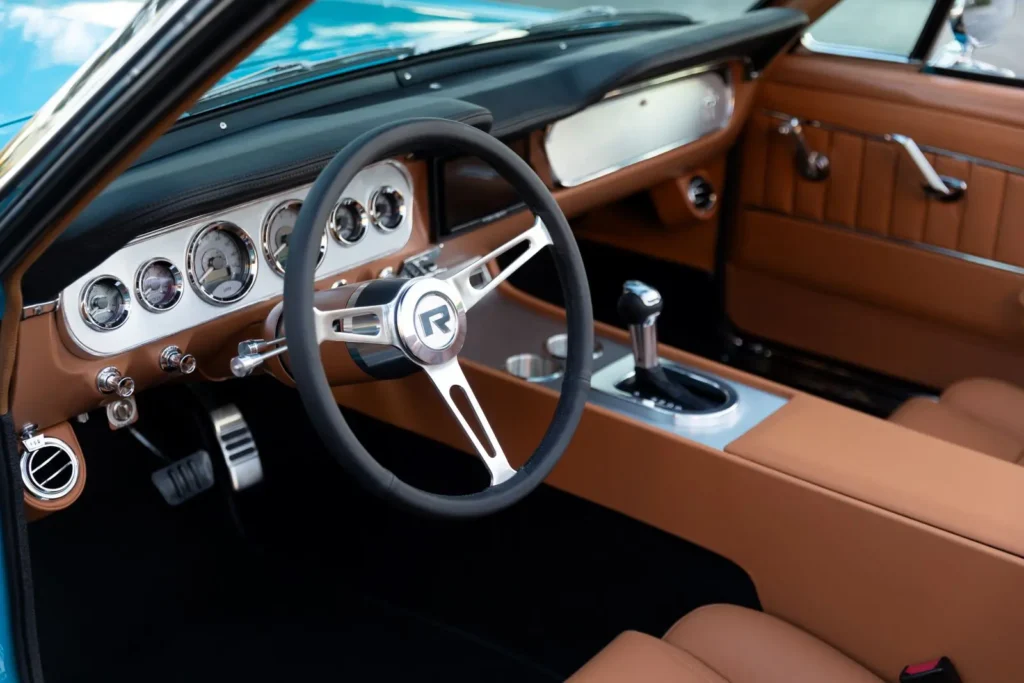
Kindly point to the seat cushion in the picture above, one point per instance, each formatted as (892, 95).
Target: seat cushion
(943, 422)
(991, 402)
(985, 415)
(723, 644)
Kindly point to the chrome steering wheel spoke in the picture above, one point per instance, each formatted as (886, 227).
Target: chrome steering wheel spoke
(449, 376)
(537, 238)
(357, 325)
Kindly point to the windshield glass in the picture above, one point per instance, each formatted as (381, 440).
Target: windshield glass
(45, 42)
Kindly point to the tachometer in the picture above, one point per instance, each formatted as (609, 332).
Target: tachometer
(222, 263)
(105, 303)
(158, 285)
(277, 228)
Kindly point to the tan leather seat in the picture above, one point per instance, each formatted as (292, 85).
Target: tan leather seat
(722, 644)
(985, 415)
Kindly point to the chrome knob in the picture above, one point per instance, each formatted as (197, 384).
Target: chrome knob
(172, 359)
(110, 381)
(123, 410)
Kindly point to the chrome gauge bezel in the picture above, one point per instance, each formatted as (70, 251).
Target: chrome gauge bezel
(399, 201)
(362, 221)
(250, 249)
(265, 236)
(126, 299)
(179, 285)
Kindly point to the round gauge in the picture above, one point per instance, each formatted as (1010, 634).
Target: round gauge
(277, 228)
(222, 263)
(158, 285)
(387, 208)
(348, 221)
(105, 303)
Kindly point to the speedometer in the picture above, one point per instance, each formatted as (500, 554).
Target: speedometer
(222, 263)
(276, 232)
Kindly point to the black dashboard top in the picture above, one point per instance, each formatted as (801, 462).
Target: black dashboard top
(215, 161)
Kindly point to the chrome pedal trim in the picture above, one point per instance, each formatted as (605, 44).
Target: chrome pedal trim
(237, 446)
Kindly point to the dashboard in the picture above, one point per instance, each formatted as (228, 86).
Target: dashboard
(185, 251)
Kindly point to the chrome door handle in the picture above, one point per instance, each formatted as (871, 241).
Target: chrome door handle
(943, 188)
(810, 164)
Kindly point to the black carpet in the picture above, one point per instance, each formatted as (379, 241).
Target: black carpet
(309, 577)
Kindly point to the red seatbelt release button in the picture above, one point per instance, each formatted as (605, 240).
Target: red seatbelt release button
(939, 670)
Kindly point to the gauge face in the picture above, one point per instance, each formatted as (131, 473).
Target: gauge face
(222, 263)
(277, 229)
(387, 208)
(348, 222)
(158, 285)
(105, 303)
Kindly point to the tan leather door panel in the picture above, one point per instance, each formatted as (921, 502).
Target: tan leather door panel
(864, 266)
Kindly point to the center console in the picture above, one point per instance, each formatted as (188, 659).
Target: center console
(632, 380)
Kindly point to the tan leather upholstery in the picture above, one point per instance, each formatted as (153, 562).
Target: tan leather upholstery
(985, 415)
(722, 644)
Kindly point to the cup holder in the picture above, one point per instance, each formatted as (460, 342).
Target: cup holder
(533, 367)
(556, 346)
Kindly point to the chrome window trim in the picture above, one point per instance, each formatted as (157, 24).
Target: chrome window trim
(722, 68)
(810, 43)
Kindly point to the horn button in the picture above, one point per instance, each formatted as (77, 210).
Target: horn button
(431, 321)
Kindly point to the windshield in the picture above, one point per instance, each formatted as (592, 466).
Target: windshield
(45, 43)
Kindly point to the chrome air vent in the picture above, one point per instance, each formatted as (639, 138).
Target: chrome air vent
(701, 194)
(50, 469)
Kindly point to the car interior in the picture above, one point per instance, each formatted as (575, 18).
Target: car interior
(668, 353)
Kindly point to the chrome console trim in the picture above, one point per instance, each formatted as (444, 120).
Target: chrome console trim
(690, 104)
(714, 429)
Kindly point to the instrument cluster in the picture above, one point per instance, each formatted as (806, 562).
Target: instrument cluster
(230, 260)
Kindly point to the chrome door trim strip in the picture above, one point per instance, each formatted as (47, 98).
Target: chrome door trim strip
(923, 246)
(782, 116)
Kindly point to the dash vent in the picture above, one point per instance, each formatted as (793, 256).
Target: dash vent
(50, 471)
(701, 194)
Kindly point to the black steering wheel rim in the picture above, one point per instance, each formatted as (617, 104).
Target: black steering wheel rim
(304, 352)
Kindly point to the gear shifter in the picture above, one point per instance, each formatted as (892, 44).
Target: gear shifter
(639, 307)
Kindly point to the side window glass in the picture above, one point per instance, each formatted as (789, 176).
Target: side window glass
(874, 29)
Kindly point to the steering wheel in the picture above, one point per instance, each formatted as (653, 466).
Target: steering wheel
(425, 319)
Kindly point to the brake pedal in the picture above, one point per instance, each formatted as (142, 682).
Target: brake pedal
(185, 479)
(237, 446)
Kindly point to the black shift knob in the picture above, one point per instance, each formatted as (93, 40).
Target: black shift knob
(638, 302)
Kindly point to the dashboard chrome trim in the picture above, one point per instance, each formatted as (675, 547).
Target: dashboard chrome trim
(171, 242)
(573, 160)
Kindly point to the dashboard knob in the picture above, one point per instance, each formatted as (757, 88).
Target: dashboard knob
(109, 380)
(172, 359)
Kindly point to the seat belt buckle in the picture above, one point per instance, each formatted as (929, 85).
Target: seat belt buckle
(939, 670)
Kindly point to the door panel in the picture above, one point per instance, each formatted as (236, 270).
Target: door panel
(946, 277)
